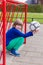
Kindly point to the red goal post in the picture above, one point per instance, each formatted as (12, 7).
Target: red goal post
(4, 19)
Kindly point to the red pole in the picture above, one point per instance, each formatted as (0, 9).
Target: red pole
(4, 32)
(26, 8)
(0, 5)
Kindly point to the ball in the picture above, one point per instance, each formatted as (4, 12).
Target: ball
(34, 25)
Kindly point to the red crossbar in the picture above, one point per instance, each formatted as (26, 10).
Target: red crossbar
(15, 2)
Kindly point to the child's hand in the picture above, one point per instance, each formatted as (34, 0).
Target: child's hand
(35, 31)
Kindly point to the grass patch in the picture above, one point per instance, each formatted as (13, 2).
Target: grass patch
(30, 17)
(35, 16)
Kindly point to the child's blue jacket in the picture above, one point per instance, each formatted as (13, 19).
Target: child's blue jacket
(14, 33)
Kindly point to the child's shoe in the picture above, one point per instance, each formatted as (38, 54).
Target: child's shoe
(14, 52)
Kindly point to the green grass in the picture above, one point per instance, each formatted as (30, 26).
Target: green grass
(31, 16)
(35, 16)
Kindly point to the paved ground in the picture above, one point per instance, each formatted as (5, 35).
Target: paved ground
(31, 53)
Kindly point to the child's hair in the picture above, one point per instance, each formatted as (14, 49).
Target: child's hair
(18, 22)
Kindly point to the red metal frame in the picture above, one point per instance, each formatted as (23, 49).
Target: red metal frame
(17, 12)
(0, 5)
(25, 21)
(15, 2)
(1, 64)
(4, 31)
(22, 12)
(9, 13)
(4, 24)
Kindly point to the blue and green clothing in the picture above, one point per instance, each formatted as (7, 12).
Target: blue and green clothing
(15, 38)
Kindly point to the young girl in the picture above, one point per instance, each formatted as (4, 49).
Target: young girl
(15, 38)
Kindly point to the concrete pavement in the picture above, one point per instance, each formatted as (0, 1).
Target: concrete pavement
(31, 53)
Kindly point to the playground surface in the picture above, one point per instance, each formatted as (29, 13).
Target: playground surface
(31, 52)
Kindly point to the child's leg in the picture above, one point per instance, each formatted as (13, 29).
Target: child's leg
(15, 43)
(19, 43)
